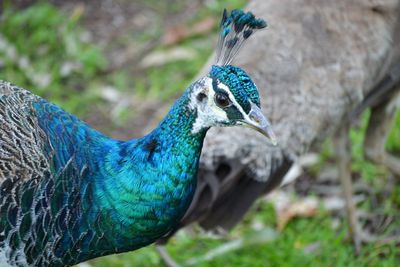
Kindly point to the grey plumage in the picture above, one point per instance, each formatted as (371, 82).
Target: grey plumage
(317, 62)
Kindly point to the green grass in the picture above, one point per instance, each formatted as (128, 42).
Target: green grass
(304, 242)
(393, 142)
(43, 50)
(55, 39)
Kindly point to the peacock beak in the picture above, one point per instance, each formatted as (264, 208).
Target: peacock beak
(257, 121)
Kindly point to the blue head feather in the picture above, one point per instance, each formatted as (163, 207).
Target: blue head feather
(239, 83)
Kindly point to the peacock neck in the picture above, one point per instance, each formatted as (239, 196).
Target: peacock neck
(172, 146)
(175, 132)
(148, 183)
(118, 195)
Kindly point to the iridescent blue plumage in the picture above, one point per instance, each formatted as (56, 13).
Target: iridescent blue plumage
(68, 193)
(102, 195)
(242, 87)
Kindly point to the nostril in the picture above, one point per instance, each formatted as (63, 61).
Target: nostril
(255, 118)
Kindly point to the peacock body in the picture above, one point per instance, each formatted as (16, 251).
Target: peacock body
(68, 193)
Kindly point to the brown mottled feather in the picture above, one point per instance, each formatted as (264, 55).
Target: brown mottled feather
(21, 139)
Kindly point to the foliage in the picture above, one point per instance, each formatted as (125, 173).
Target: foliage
(44, 50)
(305, 242)
(393, 143)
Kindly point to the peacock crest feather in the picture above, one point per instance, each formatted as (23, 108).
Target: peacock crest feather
(236, 28)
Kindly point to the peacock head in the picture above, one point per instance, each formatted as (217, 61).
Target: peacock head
(227, 96)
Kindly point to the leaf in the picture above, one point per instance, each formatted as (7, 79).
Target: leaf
(178, 33)
(288, 207)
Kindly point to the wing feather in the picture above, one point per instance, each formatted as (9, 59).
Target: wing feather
(21, 139)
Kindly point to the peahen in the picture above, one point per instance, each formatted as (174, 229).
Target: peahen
(323, 59)
(68, 193)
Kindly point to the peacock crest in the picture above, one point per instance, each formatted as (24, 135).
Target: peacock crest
(236, 28)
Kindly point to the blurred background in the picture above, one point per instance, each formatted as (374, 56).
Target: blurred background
(120, 64)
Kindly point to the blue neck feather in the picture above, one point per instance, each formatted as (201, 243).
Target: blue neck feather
(132, 192)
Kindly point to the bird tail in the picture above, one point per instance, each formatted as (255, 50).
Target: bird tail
(236, 28)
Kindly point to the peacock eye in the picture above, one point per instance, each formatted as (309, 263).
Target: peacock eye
(222, 100)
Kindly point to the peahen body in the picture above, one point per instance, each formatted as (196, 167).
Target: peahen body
(332, 57)
(68, 193)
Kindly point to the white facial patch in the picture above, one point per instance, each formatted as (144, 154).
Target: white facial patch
(208, 113)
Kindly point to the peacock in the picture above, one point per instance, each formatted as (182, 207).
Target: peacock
(69, 193)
